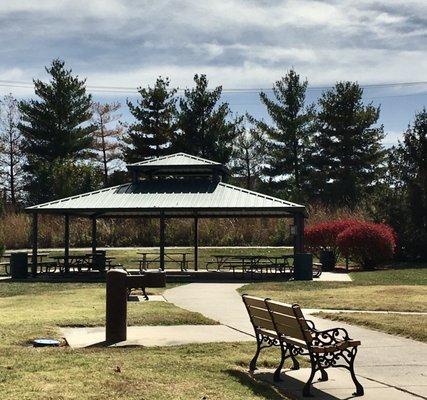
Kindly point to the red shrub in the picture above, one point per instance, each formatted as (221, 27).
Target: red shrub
(323, 236)
(367, 243)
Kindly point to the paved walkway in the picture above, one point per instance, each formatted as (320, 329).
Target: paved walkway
(396, 364)
(151, 336)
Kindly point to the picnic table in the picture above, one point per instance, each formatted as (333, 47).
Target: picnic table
(80, 261)
(180, 258)
(251, 262)
(41, 260)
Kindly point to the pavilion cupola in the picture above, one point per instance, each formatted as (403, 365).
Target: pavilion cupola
(177, 165)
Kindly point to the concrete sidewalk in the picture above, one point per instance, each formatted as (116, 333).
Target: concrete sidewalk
(152, 336)
(393, 362)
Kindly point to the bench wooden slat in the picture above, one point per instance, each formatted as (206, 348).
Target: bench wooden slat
(290, 331)
(259, 312)
(281, 308)
(263, 323)
(254, 301)
(267, 332)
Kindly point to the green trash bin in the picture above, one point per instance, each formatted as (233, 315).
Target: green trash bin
(303, 267)
(19, 265)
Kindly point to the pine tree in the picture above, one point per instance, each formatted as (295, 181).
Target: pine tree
(410, 158)
(347, 155)
(289, 136)
(55, 127)
(205, 126)
(106, 137)
(10, 145)
(152, 133)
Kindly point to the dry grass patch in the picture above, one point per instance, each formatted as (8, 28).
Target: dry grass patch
(411, 326)
(394, 290)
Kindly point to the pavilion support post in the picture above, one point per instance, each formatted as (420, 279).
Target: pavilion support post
(162, 241)
(299, 236)
(66, 243)
(94, 235)
(196, 243)
(34, 238)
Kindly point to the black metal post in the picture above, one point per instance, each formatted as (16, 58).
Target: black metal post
(299, 236)
(196, 243)
(34, 238)
(93, 235)
(162, 241)
(67, 243)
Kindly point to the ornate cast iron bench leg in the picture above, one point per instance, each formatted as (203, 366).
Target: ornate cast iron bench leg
(283, 350)
(359, 388)
(260, 339)
(293, 352)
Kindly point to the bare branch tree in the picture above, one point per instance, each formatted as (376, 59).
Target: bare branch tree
(10, 145)
(249, 154)
(107, 137)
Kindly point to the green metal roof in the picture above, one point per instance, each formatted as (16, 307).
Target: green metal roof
(177, 164)
(171, 197)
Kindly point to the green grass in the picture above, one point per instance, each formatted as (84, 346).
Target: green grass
(211, 371)
(386, 290)
(411, 326)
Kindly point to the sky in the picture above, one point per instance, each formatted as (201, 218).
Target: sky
(243, 45)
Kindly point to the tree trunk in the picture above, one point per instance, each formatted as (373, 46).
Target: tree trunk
(104, 157)
(12, 175)
(248, 171)
(296, 164)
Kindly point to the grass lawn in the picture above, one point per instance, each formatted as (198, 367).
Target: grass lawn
(412, 326)
(211, 371)
(385, 290)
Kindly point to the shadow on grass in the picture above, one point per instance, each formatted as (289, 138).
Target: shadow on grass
(257, 387)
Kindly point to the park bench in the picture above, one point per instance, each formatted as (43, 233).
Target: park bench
(283, 325)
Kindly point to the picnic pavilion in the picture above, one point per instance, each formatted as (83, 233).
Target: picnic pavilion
(173, 186)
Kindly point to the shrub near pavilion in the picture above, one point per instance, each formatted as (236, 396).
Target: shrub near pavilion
(321, 239)
(367, 243)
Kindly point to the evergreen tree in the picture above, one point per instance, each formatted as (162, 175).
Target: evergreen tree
(106, 137)
(205, 126)
(289, 136)
(347, 154)
(410, 167)
(151, 134)
(10, 147)
(55, 127)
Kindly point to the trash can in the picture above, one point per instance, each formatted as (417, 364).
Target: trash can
(303, 267)
(327, 259)
(19, 265)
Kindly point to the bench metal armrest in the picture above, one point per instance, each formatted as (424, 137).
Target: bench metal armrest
(310, 324)
(329, 336)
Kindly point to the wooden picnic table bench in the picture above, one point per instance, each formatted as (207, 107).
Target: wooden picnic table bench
(284, 325)
(182, 261)
(250, 263)
(41, 261)
(91, 261)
